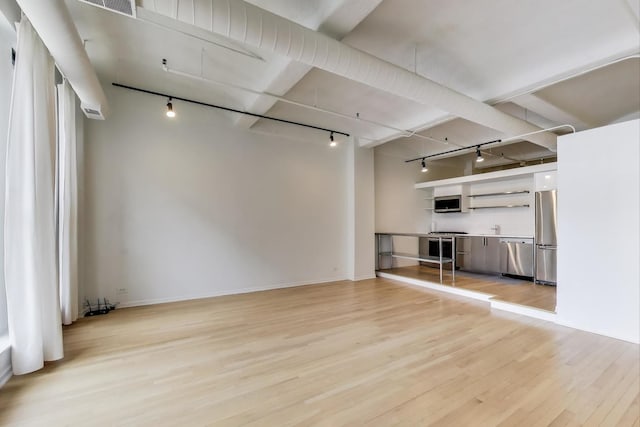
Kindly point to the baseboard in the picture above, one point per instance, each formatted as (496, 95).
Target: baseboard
(564, 322)
(541, 314)
(364, 277)
(220, 293)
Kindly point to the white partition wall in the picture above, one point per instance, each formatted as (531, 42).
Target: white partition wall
(598, 222)
(360, 212)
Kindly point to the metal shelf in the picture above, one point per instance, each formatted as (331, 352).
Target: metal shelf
(501, 206)
(424, 258)
(502, 193)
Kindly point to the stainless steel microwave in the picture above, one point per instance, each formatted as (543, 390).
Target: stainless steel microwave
(445, 204)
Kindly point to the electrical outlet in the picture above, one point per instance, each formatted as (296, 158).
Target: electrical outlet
(122, 291)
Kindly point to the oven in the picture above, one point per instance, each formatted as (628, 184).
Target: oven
(434, 248)
(430, 244)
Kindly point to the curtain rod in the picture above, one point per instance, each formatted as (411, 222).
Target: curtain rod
(233, 110)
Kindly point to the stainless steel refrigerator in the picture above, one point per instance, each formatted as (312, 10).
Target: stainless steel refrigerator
(546, 236)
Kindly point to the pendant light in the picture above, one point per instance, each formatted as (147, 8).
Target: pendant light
(170, 112)
(333, 143)
(479, 154)
(424, 167)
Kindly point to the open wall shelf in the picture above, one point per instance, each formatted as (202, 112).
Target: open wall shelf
(500, 206)
(503, 193)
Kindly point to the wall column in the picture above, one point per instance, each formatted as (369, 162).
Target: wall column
(360, 212)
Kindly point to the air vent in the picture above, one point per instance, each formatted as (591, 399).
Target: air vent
(92, 113)
(124, 7)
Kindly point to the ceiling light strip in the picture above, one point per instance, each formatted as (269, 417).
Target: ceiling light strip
(232, 110)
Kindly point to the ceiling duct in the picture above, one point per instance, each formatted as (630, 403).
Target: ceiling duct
(243, 22)
(125, 7)
(53, 23)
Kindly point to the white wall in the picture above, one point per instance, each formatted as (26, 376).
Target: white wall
(599, 234)
(512, 221)
(193, 207)
(399, 207)
(7, 41)
(361, 212)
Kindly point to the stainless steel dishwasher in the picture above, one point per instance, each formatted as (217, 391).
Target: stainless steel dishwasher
(516, 257)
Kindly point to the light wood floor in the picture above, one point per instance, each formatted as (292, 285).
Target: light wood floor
(375, 352)
(509, 290)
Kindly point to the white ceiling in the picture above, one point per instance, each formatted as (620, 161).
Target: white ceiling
(496, 51)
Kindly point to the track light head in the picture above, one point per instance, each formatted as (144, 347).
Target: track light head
(170, 112)
(479, 154)
(332, 142)
(424, 167)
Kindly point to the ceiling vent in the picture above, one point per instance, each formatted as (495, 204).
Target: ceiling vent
(124, 7)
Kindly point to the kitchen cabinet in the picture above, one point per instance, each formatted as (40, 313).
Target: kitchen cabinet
(479, 254)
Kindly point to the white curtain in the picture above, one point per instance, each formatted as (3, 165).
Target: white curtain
(31, 278)
(67, 204)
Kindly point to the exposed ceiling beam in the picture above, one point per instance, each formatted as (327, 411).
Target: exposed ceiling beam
(576, 71)
(552, 112)
(579, 70)
(256, 27)
(10, 10)
(287, 73)
(169, 23)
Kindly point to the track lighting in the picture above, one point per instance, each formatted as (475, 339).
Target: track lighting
(230, 110)
(333, 143)
(424, 166)
(170, 112)
(479, 154)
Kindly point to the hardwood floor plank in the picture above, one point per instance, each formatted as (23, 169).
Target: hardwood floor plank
(374, 352)
(507, 290)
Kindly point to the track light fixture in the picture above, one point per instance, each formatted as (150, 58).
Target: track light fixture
(479, 154)
(333, 143)
(231, 110)
(424, 166)
(170, 112)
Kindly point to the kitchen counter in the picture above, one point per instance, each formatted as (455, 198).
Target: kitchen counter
(405, 234)
(503, 236)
